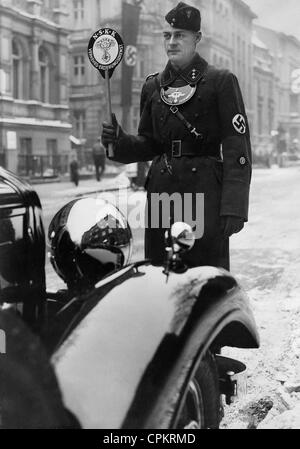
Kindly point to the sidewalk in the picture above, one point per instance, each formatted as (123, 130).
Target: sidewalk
(85, 187)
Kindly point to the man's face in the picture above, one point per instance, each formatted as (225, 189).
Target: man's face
(180, 45)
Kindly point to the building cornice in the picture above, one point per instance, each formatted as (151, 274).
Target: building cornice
(28, 121)
(280, 34)
(246, 8)
(33, 19)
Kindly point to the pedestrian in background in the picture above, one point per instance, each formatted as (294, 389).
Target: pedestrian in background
(74, 170)
(99, 158)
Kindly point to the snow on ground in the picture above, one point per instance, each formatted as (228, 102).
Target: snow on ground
(266, 260)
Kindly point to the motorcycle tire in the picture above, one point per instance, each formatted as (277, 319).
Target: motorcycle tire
(199, 404)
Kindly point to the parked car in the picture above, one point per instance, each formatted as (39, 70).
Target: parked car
(124, 345)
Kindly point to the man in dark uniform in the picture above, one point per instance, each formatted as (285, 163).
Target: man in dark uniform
(194, 127)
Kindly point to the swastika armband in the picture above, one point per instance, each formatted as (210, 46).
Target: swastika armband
(239, 123)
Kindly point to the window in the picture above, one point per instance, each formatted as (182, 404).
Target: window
(51, 147)
(141, 64)
(52, 161)
(26, 146)
(78, 10)
(135, 118)
(26, 162)
(270, 114)
(260, 115)
(17, 70)
(48, 5)
(44, 64)
(239, 46)
(294, 133)
(79, 123)
(294, 104)
(79, 69)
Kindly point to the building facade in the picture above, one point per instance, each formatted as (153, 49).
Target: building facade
(263, 98)
(49, 91)
(227, 32)
(87, 96)
(34, 113)
(284, 99)
(87, 88)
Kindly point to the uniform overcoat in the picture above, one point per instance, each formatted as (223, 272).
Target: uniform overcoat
(220, 167)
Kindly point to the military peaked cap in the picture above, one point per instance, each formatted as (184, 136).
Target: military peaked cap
(184, 17)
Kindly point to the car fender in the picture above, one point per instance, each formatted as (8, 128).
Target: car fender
(114, 363)
(29, 392)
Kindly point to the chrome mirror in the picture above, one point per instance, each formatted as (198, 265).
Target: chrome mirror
(89, 239)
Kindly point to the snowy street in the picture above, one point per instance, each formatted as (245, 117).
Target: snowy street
(265, 257)
(266, 260)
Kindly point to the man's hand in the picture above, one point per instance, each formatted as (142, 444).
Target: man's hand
(231, 225)
(111, 133)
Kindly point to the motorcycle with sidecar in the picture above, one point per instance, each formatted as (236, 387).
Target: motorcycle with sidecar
(124, 345)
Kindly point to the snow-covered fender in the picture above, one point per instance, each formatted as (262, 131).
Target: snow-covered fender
(119, 358)
(30, 397)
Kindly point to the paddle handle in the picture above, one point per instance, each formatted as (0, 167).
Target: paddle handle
(109, 112)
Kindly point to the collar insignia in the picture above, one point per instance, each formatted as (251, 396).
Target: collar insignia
(191, 74)
(194, 74)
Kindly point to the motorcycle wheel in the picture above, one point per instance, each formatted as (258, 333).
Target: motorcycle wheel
(199, 405)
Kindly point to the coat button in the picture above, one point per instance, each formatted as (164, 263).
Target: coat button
(162, 171)
(196, 115)
(243, 161)
(194, 169)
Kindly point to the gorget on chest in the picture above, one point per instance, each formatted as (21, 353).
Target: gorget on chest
(176, 96)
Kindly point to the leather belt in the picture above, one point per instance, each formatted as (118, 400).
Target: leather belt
(180, 148)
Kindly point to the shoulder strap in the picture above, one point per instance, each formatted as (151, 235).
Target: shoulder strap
(151, 75)
(154, 86)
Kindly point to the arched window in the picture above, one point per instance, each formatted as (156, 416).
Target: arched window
(17, 69)
(44, 64)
